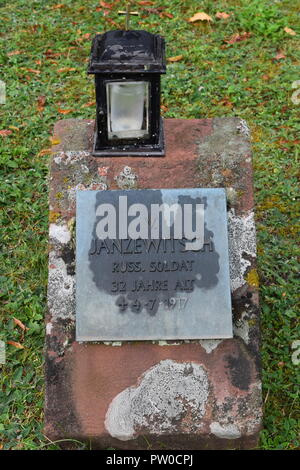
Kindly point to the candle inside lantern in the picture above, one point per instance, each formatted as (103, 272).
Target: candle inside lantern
(127, 109)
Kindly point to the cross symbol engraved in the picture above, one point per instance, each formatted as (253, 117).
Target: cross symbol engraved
(128, 13)
(122, 304)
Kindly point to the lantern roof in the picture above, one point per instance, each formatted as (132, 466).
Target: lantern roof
(127, 52)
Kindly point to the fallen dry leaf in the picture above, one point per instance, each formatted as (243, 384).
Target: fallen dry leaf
(44, 152)
(14, 128)
(226, 102)
(106, 5)
(290, 142)
(164, 108)
(88, 104)
(64, 111)
(145, 3)
(176, 58)
(290, 31)
(201, 16)
(152, 11)
(41, 103)
(56, 7)
(280, 55)
(15, 344)
(284, 109)
(20, 324)
(222, 15)
(66, 69)
(85, 37)
(238, 37)
(110, 21)
(14, 53)
(54, 140)
(165, 14)
(37, 72)
(5, 132)
(50, 54)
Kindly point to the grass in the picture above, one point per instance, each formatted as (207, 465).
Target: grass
(43, 60)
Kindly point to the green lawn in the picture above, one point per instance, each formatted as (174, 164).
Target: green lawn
(43, 60)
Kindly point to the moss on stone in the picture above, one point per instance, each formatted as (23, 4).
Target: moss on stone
(252, 278)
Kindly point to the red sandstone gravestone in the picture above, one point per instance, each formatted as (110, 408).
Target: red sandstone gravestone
(148, 395)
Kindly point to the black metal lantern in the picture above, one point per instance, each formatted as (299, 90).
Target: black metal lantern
(127, 67)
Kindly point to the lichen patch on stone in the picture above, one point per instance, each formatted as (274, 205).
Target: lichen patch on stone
(170, 397)
(166, 343)
(242, 246)
(222, 158)
(49, 327)
(93, 186)
(252, 278)
(61, 289)
(59, 233)
(126, 179)
(84, 169)
(210, 344)
(70, 157)
(232, 196)
(241, 328)
(243, 128)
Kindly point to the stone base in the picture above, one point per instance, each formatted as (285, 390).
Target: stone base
(202, 394)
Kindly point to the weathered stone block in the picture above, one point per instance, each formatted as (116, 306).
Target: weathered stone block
(184, 395)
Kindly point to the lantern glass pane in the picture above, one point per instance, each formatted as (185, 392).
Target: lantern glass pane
(127, 109)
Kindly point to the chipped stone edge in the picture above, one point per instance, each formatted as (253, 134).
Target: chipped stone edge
(225, 431)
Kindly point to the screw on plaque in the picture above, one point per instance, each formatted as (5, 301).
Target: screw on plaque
(127, 12)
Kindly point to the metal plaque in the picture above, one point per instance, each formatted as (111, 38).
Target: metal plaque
(152, 265)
